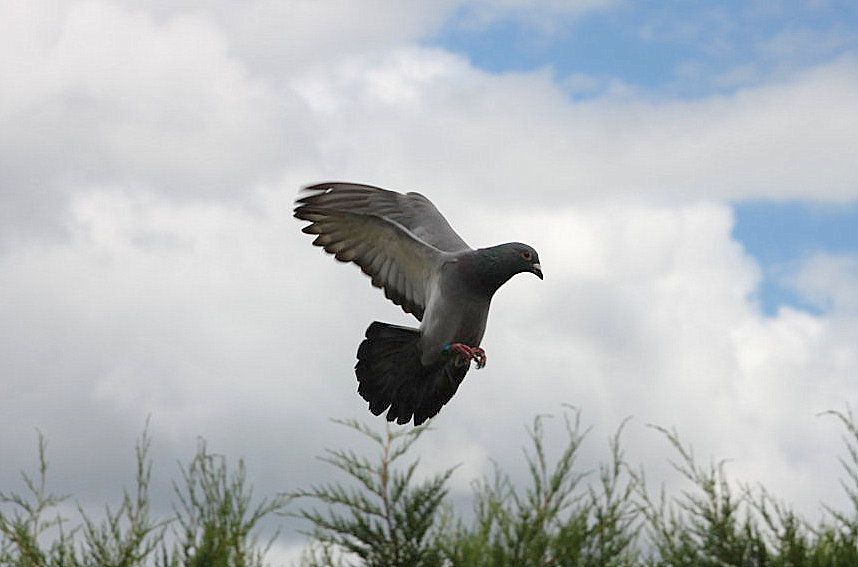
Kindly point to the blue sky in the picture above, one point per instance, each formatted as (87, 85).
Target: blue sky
(670, 48)
(688, 50)
(781, 234)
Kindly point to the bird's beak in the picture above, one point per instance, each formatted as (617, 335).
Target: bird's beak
(536, 269)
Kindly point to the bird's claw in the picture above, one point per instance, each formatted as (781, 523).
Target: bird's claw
(480, 356)
(476, 354)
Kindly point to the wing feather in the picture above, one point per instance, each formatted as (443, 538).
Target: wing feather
(391, 254)
(412, 211)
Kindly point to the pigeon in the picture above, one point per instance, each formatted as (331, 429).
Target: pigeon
(410, 251)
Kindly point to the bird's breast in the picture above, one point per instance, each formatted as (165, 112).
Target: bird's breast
(453, 315)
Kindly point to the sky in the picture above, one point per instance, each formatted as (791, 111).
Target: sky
(688, 173)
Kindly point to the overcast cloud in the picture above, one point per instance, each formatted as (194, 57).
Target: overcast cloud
(149, 264)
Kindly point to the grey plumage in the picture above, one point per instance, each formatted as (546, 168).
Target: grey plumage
(410, 251)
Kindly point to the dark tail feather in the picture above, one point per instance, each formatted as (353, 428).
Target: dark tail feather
(390, 375)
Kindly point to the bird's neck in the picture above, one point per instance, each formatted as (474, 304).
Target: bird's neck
(485, 270)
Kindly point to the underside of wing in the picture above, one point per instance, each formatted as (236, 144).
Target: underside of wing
(395, 259)
(412, 211)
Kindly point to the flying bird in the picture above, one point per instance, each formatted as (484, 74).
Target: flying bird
(410, 251)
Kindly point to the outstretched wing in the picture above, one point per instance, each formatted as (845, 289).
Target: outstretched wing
(411, 210)
(394, 257)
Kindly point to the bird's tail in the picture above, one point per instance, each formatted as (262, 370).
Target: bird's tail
(390, 375)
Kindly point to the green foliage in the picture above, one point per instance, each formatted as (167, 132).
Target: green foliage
(715, 524)
(556, 520)
(123, 538)
(32, 518)
(709, 527)
(386, 518)
(213, 527)
(387, 514)
(214, 518)
(128, 536)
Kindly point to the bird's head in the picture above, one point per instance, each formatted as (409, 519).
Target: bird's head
(497, 264)
(523, 258)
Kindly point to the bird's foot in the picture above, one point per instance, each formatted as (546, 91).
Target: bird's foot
(469, 353)
(480, 356)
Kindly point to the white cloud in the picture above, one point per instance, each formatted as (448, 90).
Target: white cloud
(109, 97)
(112, 98)
(645, 311)
(799, 44)
(831, 281)
(276, 39)
(784, 140)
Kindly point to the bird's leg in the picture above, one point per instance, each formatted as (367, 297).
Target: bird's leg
(476, 354)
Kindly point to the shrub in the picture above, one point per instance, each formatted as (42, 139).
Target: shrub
(388, 515)
(213, 525)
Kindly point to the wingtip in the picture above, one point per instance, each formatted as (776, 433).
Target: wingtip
(318, 186)
(307, 192)
(327, 185)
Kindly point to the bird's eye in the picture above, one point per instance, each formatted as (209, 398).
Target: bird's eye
(526, 256)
